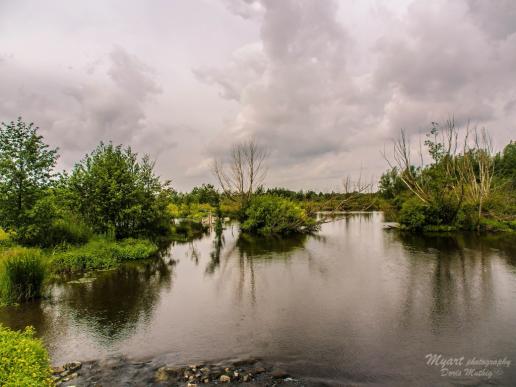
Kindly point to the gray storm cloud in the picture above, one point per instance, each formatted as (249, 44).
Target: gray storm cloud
(322, 84)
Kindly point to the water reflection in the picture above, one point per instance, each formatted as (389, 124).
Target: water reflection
(462, 284)
(253, 247)
(116, 302)
(352, 304)
(218, 244)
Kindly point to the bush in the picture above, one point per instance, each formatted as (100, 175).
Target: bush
(3, 236)
(413, 214)
(188, 230)
(114, 191)
(23, 359)
(269, 215)
(47, 225)
(21, 275)
(438, 216)
(101, 254)
(132, 249)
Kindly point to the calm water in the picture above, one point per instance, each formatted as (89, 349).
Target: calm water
(356, 303)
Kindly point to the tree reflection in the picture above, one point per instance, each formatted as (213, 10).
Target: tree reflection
(118, 301)
(268, 247)
(461, 284)
(218, 244)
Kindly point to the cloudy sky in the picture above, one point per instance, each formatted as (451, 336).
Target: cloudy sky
(323, 84)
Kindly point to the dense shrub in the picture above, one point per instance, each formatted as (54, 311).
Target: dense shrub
(47, 225)
(22, 273)
(3, 235)
(101, 254)
(192, 211)
(413, 214)
(268, 215)
(23, 359)
(115, 192)
(188, 230)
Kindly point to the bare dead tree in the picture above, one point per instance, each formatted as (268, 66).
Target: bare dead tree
(402, 161)
(353, 190)
(244, 172)
(476, 169)
(467, 165)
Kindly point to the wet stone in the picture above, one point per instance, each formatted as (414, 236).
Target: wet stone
(73, 366)
(259, 370)
(225, 379)
(279, 374)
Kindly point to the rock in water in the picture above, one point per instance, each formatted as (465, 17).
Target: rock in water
(279, 374)
(73, 366)
(225, 379)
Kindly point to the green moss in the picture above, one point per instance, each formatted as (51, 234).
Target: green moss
(23, 359)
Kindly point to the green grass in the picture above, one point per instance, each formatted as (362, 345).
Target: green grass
(3, 236)
(22, 272)
(101, 254)
(23, 359)
(498, 225)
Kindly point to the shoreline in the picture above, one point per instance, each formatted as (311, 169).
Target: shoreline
(123, 371)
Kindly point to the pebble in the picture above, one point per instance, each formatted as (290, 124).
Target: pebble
(225, 378)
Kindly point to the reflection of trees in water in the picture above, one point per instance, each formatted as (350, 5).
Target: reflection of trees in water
(218, 244)
(248, 250)
(462, 285)
(30, 313)
(347, 217)
(117, 301)
(269, 247)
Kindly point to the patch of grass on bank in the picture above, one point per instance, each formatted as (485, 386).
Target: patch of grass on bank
(23, 359)
(3, 236)
(101, 254)
(22, 272)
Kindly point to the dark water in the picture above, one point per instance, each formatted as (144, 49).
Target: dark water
(354, 304)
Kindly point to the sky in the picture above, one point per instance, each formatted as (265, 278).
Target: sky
(324, 85)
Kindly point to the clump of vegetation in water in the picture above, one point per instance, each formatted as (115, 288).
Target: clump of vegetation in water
(22, 272)
(273, 215)
(23, 359)
(101, 253)
(464, 186)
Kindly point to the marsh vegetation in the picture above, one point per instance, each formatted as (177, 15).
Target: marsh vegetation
(112, 210)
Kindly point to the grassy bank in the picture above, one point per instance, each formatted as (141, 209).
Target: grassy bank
(23, 270)
(101, 254)
(23, 359)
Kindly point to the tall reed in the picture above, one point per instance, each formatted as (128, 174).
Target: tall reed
(22, 272)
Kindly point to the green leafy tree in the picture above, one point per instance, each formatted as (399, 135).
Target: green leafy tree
(205, 194)
(505, 163)
(26, 169)
(117, 193)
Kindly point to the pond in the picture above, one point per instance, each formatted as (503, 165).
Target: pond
(355, 303)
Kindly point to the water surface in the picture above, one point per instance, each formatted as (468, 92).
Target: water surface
(355, 303)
